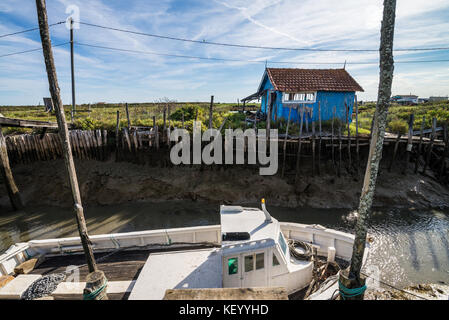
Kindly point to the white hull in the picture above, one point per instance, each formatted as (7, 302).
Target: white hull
(319, 236)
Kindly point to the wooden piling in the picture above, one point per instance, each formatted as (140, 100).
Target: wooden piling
(418, 153)
(117, 137)
(298, 156)
(396, 146)
(320, 138)
(339, 151)
(409, 144)
(270, 107)
(430, 146)
(164, 128)
(332, 137)
(349, 138)
(127, 115)
(211, 110)
(445, 153)
(11, 187)
(285, 142)
(313, 148)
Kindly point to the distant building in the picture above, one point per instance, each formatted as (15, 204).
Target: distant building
(423, 100)
(437, 99)
(405, 99)
(288, 88)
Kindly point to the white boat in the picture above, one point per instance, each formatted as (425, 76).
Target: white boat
(249, 249)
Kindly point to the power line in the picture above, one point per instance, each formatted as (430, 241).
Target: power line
(249, 61)
(32, 50)
(29, 30)
(223, 59)
(253, 46)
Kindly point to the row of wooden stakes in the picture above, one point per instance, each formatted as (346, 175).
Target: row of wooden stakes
(86, 144)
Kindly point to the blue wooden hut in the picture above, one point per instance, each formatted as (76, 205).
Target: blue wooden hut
(285, 88)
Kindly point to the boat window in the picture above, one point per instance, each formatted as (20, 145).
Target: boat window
(249, 263)
(282, 243)
(275, 260)
(259, 261)
(233, 265)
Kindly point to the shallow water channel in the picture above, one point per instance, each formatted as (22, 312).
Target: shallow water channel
(410, 247)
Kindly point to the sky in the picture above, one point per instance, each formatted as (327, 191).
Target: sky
(114, 76)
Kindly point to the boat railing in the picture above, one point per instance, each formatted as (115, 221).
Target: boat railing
(321, 237)
(138, 239)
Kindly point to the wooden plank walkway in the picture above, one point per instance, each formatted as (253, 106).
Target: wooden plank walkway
(11, 122)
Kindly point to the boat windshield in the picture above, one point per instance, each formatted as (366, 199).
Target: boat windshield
(282, 243)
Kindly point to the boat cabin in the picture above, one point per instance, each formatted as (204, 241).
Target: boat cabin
(255, 253)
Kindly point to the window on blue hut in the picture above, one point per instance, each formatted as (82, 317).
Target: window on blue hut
(299, 97)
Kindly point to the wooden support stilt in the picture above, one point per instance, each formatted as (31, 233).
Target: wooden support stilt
(418, 153)
(396, 146)
(269, 111)
(64, 133)
(357, 143)
(298, 156)
(445, 152)
(430, 146)
(164, 128)
(211, 111)
(117, 137)
(313, 148)
(409, 144)
(157, 137)
(127, 115)
(285, 142)
(169, 126)
(320, 138)
(332, 138)
(11, 187)
(349, 138)
(339, 151)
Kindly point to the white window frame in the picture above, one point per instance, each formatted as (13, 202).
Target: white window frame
(284, 94)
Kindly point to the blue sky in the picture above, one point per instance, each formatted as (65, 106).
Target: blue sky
(103, 75)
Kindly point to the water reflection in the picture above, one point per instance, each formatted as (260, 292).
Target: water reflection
(409, 246)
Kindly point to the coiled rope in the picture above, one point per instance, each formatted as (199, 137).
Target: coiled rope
(293, 244)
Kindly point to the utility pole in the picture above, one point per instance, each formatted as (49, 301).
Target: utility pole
(95, 276)
(353, 283)
(72, 63)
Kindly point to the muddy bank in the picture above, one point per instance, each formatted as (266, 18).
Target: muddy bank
(102, 183)
(417, 292)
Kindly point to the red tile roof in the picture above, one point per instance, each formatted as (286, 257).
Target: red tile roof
(294, 80)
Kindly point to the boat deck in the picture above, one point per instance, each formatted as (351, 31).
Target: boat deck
(124, 265)
(178, 270)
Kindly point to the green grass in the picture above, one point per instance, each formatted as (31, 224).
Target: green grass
(104, 116)
(398, 116)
